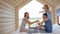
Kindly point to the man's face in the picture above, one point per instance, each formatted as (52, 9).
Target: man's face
(44, 17)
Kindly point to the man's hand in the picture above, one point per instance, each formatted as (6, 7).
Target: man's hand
(40, 25)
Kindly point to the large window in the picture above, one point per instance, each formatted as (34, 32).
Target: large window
(33, 8)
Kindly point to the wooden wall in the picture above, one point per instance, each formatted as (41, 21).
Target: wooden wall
(8, 15)
(7, 18)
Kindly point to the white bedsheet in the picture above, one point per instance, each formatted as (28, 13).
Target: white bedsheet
(56, 30)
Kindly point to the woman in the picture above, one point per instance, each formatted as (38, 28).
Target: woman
(24, 21)
(47, 11)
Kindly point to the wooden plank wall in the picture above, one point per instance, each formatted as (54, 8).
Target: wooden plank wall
(8, 15)
(7, 18)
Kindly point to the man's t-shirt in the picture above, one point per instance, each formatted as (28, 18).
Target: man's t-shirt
(48, 26)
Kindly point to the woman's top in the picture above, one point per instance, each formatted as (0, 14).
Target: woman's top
(23, 24)
(49, 14)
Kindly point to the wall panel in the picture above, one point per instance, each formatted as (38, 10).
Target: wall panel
(7, 18)
(8, 14)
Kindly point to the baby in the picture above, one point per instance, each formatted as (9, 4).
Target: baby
(41, 26)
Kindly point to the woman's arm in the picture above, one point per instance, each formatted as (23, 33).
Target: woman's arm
(41, 11)
(30, 22)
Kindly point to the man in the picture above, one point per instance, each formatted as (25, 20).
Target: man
(48, 24)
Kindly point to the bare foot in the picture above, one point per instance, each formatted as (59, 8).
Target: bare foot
(22, 31)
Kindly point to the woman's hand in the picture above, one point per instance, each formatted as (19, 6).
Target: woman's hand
(37, 21)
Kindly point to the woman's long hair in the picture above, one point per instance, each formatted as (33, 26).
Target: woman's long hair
(46, 6)
(25, 14)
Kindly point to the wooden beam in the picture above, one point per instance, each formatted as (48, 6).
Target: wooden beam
(16, 13)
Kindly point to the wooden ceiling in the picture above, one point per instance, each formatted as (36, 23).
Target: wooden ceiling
(14, 3)
(50, 2)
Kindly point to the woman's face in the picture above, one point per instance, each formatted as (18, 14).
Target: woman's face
(44, 8)
(27, 15)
